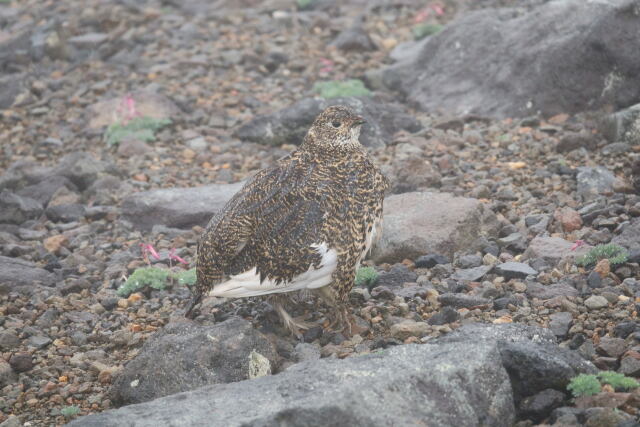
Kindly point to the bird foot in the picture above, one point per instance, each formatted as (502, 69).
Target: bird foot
(192, 312)
(294, 325)
(343, 322)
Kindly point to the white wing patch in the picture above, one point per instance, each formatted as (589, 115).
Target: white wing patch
(247, 284)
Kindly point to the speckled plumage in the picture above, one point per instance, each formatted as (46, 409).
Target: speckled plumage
(328, 192)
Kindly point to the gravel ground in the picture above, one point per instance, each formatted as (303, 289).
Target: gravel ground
(63, 341)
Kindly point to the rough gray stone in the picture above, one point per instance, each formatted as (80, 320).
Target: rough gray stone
(514, 270)
(398, 275)
(7, 374)
(421, 223)
(594, 181)
(177, 207)
(553, 65)
(530, 355)
(290, 125)
(630, 236)
(543, 292)
(462, 300)
(539, 406)
(18, 275)
(16, 209)
(185, 356)
(8, 341)
(596, 302)
(81, 168)
(472, 274)
(404, 385)
(354, 38)
(553, 249)
(560, 323)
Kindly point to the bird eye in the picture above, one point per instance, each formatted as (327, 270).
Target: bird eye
(336, 124)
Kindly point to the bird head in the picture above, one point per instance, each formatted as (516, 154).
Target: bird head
(336, 127)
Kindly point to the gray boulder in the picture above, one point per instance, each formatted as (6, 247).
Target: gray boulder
(554, 249)
(594, 181)
(416, 224)
(185, 356)
(630, 236)
(16, 209)
(508, 62)
(529, 354)
(177, 207)
(460, 383)
(18, 275)
(290, 125)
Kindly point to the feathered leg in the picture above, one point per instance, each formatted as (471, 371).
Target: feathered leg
(293, 325)
(340, 312)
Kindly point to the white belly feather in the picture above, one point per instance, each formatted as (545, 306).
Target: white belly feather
(248, 284)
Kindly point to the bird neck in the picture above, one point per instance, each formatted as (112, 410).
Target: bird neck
(321, 147)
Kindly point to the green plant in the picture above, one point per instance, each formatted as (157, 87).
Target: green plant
(141, 128)
(156, 278)
(186, 277)
(614, 253)
(304, 4)
(70, 411)
(618, 381)
(335, 88)
(147, 276)
(584, 385)
(421, 31)
(366, 276)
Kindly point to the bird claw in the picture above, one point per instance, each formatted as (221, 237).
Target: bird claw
(192, 312)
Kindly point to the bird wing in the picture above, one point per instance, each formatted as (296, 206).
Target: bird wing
(268, 239)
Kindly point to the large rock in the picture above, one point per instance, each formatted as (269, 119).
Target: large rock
(529, 354)
(18, 275)
(186, 356)
(503, 63)
(460, 383)
(421, 223)
(553, 249)
(291, 124)
(16, 209)
(630, 236)
(177, 207)
(593, 182)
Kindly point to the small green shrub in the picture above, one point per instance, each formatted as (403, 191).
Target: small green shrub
(156, 278)
(147, 276)
(618, 381)
(584, 385)
(141, 128)
(366, 276)
(336, 89)
(70, 411)
(614, 253)
(421, 31)
(304, 4)
(186, 277)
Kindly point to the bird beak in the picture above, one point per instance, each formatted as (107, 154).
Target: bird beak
(359, 120)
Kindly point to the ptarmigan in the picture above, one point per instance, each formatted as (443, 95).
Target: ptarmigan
(305, 223)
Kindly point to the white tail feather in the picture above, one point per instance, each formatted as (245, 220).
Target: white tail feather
(247, 284)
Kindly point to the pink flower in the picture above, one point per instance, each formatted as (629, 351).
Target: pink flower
(127, 108)
(147, 248)
(438, 9)
(327, 65)
(577, 244)
(173, 256)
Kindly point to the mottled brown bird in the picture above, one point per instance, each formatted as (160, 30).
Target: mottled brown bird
(305, 223)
